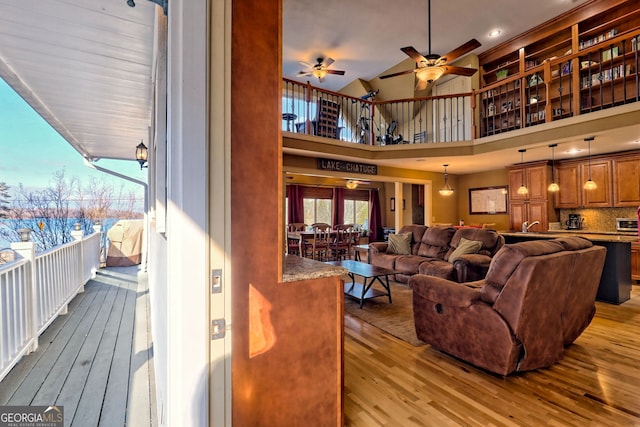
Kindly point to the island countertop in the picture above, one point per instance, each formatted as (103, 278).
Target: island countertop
(594, 236)
(615, 282)
(297, 268)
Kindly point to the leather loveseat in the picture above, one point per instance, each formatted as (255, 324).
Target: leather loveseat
(538, 297)
(432, 249)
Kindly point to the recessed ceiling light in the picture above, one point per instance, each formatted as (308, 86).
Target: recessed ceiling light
(495, 33)
(573, 151)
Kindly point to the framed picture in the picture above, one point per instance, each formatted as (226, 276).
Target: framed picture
(392, 204)
(488, 200)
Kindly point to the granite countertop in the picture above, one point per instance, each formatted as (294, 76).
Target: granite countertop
(596, 236)
(297, 268)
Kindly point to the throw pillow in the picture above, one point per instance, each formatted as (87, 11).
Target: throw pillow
(399, 244)
(465, 247)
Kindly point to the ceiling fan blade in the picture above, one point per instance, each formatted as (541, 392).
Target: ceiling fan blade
(305, 64)
(397, 74)
(414, 54)
(304, 73)
(327, 62)
(459, 51)
(460, 71)
(339, 72)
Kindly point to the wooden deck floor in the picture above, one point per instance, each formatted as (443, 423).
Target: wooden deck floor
(97, 360)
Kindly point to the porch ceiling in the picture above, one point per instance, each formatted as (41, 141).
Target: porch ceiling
(85, 66)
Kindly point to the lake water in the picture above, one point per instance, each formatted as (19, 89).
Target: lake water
(10, 223)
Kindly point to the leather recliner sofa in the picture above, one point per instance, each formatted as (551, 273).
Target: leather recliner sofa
(538, 297)
(431, 249)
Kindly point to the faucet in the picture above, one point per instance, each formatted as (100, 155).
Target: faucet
(526, 226)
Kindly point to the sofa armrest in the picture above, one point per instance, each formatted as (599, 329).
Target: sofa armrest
(471, 267)
(378, 247)
(443, 291)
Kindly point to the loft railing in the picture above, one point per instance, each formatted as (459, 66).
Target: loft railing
(436, 119)
(35, 289)
(596, 77)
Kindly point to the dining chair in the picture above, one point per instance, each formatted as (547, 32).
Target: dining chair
(340, 246)
(318, 246)
(293, 244)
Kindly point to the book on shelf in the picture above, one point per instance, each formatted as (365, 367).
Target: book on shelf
(599, 39)
(604, 76)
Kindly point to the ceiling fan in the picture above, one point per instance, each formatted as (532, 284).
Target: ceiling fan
(319, 70)
(431, 67)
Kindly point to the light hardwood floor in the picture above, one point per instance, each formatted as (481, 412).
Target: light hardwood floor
(391, 383)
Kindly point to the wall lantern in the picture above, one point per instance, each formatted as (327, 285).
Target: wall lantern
(141, 154)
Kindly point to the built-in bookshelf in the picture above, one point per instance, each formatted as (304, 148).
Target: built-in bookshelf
(584, 60)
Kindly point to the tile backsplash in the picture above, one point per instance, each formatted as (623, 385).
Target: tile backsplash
(600, 219)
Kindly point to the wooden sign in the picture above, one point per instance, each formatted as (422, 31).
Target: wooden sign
(346, 166)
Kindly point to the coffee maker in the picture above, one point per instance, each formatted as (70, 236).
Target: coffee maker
(574, 222)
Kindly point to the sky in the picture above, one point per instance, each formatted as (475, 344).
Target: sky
(31, 151)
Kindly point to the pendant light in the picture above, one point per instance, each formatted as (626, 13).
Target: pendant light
(553, 187)
(590, 185)
(523, 188)
(446, 190)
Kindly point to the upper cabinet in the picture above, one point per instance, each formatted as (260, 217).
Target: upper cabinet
(617, 177)
(626, 180)
(581, 61)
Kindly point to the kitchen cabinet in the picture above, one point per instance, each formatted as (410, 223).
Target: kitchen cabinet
(571, 177)
(536, 205)
(635, 261)
(626, 180)
(600, 173)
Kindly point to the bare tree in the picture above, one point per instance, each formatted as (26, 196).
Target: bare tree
(51, 213)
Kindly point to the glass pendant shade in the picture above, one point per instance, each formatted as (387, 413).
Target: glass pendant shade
(523, 188)
(590, 185)
(553, 187)
(446, 190)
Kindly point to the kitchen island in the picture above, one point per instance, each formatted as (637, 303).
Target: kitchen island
(615, 283)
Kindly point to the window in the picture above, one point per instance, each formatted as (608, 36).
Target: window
(356, 207)
(318, 205)
(317, 210)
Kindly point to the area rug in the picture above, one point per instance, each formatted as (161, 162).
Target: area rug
(395, 318)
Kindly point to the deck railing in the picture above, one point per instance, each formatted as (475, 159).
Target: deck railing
(433, 119)
(36, 288)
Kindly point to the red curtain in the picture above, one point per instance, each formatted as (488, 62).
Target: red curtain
(296, 203)
(375, 217)
(338, 205)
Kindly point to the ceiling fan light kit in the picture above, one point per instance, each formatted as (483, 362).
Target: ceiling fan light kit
(320, 69)
(431, 67)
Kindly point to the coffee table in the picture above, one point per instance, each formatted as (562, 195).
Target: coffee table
(370, 274)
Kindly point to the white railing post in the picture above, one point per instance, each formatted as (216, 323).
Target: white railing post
(27, 250)
(77, 235)
(97, 228)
